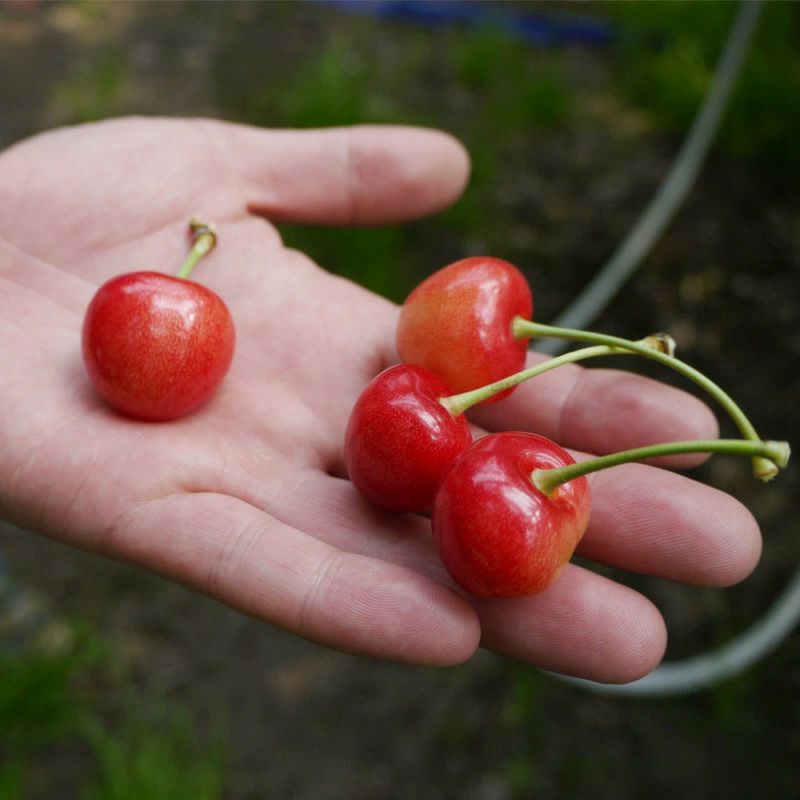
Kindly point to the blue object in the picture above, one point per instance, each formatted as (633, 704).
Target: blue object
(544, 30)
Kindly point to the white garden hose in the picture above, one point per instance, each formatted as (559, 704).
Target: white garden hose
(590, 303)
(701, 672)
(707, 669)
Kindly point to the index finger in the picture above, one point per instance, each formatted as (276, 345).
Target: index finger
(359, 175)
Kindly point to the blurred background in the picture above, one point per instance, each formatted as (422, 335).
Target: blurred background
(116, 684)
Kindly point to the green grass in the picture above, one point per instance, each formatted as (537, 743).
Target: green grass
(39, 703)
(12, 777)
(667, 57)
(52, 702)
(517, 88)
(368, 256)
(155, 757)
(93, 92)
(331, 91)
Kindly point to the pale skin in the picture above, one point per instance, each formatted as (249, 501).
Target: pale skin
(246, 500)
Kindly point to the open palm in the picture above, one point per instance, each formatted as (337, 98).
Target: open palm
(247, 499)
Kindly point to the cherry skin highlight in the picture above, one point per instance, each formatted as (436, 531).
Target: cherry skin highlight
(156, 347)
(400, 440)
(457, 323)
(497, 534)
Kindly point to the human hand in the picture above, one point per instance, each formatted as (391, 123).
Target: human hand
(247, 499)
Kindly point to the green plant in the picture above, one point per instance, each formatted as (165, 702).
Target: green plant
(369, 256)
(330, 91)
(12, 773)
(485, 59)
(666, 60)
(50, 700)
(153, 757)
(520, 89)
(39, 702)
(94, 91)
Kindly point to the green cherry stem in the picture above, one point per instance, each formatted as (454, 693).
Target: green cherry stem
(459, 403)
(204, 239)
(763, 467)
(548, 480)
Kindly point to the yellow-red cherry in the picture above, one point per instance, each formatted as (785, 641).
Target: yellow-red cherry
(497, 534)
(458, 323)
(156, 346)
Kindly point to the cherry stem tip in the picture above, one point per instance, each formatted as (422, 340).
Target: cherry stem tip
(774, 454)
(204, 240)
(525, 329)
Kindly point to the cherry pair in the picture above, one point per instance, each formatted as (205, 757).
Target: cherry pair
(470, 323)
(507, 511)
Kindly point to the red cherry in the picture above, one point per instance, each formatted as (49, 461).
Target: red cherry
(497, 534)
(401, 440)
(155, 346)
(457, 323)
